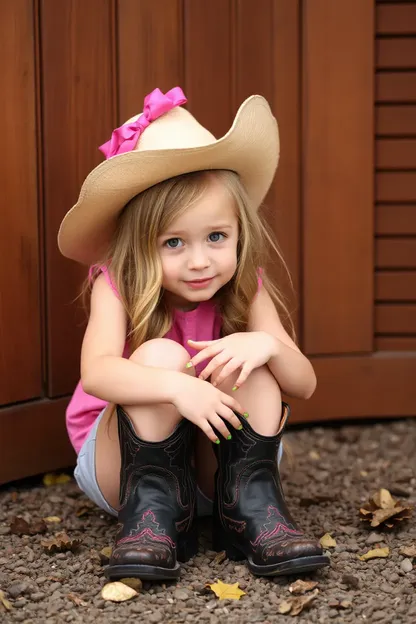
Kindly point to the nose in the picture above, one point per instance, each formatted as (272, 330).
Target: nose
(198, 259)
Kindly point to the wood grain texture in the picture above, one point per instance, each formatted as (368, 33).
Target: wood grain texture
(395, 343)
(395, 286)
(150, 51)
(78, 114)
(20, 359)
(396, 53)
(396, 18)
(396, 154)
(396, 219)
(395, 318)
(338, 176)
(396, 87)
(396, 186)
(395, 120)
(396, 253)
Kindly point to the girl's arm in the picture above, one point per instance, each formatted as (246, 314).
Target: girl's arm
(104, 372)
(291, 369)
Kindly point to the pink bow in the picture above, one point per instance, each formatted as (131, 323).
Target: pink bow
(124, 138)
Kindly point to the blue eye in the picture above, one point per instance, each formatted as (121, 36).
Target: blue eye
(173, 243)
(214, 237)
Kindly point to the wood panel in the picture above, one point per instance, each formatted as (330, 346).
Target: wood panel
(20, 361)
(34, 452)
(396, 154)
(395, 285)
(396, 19)
(396, 87)
(396, 187)
(377, 385)
(396, 120)
(338, 174)
(78, 114)
(396, 219)
(396, 253)
(395, 343)
(149, 36)
(394, 318)
(208, 80)
(396, 53)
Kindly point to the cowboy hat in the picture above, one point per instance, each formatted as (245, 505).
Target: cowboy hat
(162, 142)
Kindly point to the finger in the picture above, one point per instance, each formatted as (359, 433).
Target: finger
(220, 426)
(228, 414)
(219, 360)
(233, 365)
(206, 353)
(243, 376)
(232, 403)
(201, 344)
(209, 431)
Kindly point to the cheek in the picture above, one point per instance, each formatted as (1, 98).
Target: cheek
(170, 270)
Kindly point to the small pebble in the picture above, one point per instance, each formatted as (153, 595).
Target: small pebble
(373, 538)
(181, 594)
(406, 565)
(155, 617)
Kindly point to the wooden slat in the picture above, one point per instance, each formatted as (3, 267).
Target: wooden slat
(396, 87)
(33, 440)
(396, 154)
(338, 172)
(150, 53)
(78, 116)
(376, 386)
(20, 359)
(395, 318)
(396, 219)
(396, 19)
(396, 187)
(395, 120)
(395, 286)
(207, 52)
(396, 53)
(395, 253)
(395, 343)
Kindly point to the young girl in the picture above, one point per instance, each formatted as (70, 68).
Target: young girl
(184, 352)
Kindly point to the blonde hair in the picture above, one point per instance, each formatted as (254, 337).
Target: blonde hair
(136, 269)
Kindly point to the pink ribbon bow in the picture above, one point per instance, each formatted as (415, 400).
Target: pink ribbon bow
(124, 138)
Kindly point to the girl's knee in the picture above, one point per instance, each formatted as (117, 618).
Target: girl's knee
(163, 353)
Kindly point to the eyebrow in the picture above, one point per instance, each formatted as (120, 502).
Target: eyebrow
(215, 228)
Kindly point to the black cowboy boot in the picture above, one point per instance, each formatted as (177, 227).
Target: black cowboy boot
(251, 519)
(156, 521)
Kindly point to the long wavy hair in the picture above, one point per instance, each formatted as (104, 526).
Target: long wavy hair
(136, 270)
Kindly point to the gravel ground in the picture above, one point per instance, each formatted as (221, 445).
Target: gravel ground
(342, 465)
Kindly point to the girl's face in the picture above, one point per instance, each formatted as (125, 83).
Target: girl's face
(199, 249)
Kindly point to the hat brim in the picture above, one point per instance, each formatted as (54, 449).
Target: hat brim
(250, 148)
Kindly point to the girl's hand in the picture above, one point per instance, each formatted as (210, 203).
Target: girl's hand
(245, 350)
(206, 406)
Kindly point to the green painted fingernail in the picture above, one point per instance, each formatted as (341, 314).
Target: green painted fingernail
(235, 388)
(189, 365)
(240, 427)
(229, 437)
(217, 441)
(245, 415)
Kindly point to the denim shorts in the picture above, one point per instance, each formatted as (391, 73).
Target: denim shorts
(86, 478)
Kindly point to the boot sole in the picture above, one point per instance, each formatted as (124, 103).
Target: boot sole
(293, 566)
(148, 573)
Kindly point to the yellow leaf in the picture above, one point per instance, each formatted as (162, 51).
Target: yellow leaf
(301, 587)
(285, 607)
(327, 541)
(373, 554)
(3, 600)
(52, 519)
(117, 592)
(383, 499)
(227, 592)
(51, 478)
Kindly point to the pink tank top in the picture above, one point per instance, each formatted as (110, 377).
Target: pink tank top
(202, 323)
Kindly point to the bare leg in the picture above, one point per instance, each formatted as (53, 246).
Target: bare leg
(151, 422)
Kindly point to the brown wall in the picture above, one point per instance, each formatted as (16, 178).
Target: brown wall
(74, 70)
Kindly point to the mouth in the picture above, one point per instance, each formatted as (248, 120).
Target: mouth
(199, 283)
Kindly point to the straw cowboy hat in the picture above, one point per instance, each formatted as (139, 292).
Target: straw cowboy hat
(162, 142)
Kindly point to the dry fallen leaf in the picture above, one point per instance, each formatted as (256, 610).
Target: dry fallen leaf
(54, 479)
(374, 554)
(301, 587)
(3, 601)
(85, 509)
(296, 604)
(77, 600)
(117, 592)
(52, 519)
(60, 542)
(408, 551)
(327, 541)
(314, 455)
(384, 511)
(134, 583)
(19, 526)
(224, 591)
(105, 555)
(220, 557)
(337, 604)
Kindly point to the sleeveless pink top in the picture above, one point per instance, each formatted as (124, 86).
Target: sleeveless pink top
(202, 323)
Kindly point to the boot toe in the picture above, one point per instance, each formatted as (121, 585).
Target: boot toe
(289, 550)
(144, 556)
